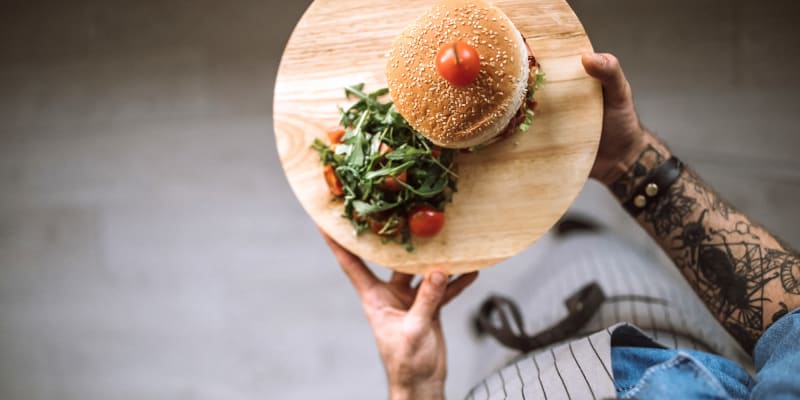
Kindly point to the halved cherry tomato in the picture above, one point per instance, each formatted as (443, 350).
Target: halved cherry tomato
(425, 221)
(384, 149)
(377, 221)
(458, 63)
(390, 183)
(332, 180)
(335, 134)
(377, 225)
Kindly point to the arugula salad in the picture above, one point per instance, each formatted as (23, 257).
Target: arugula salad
(391, 179)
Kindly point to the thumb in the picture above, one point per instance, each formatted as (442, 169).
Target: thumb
(429, 296)
(606, 68)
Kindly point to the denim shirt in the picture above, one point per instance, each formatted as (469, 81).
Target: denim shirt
(651, 372)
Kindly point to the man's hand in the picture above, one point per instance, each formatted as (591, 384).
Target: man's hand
(622, 137)
(405, 322)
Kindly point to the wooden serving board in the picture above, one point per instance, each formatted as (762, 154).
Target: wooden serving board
(509, 195)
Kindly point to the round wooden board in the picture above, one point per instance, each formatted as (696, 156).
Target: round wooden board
(509, 194)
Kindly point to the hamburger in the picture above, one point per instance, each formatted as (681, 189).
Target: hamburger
(463, 75)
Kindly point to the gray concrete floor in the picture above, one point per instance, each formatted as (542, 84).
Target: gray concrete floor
(150, 247)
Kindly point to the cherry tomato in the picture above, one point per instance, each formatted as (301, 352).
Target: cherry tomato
(335, 134)
(458, 63)
(332, 180)
(425, 221)
(436, 151)
(390, 184)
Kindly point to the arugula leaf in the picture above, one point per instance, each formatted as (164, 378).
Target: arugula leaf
(379, 93)
(405, 152)
(357, 139)
(355, 90)
(364, 208)
(386, 171)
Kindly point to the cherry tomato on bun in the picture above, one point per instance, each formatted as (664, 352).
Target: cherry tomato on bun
(332, 180)
(425, 221)
(458, 63)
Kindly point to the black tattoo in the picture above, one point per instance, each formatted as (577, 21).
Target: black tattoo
(692, 236)
(670, 211)
(740, 228)
(789, 266)
(623, 188)
(714, 201)
(790, 278)
(730, 278)
(720, 251)
(780, 313)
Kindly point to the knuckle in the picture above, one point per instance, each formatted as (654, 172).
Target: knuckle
(413, 326)
(432, 296)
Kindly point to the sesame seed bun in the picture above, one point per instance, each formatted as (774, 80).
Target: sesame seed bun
(459, 117)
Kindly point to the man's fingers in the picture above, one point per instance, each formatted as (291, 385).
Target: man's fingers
(401, 279)
(457, 286)
(429, 296)
(360, 276)
(606, 68)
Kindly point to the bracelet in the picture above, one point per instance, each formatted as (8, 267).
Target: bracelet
(654, 185)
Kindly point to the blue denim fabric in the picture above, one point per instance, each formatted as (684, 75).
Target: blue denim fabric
(648, 373)
(777, 360)
(657, 373)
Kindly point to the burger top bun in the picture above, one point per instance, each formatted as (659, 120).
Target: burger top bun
(450, 116)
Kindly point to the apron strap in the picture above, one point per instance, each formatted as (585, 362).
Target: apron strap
(581, 306)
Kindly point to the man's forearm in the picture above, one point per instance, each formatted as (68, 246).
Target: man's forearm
(746, 276)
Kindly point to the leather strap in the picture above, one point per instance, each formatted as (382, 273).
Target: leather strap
(648, 192)
(511, 330)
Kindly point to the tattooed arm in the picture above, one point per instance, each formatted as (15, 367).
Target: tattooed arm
(746, 276)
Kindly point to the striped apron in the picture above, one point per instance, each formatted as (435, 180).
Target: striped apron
(580, 367)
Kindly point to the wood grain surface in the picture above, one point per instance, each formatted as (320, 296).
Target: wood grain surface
(510, 194)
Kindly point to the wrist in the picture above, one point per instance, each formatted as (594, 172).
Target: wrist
(433, 390)
(634, 165)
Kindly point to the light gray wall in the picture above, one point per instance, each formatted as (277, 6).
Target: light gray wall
(150, 247)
